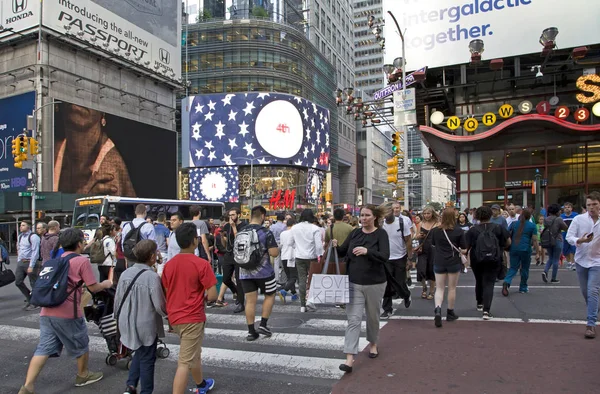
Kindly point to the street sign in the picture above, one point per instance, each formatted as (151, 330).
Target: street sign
(24, 194)
(408, 175)
(404, 108)
(410, 79)
(417, 160)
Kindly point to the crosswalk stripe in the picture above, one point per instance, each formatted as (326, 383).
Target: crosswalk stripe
(316, 367)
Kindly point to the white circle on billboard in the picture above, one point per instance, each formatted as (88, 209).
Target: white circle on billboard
(437, 117)
(279, 129)
(596, 109)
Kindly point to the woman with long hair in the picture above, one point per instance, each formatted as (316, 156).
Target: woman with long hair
(425, 253)
(523, 234)
(486, 269)
(367, 249)
(463, 222)
(449, 242)
(555, 226)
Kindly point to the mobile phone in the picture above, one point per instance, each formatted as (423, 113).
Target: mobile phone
(590, 236)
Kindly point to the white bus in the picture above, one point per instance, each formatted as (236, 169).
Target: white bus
(87, 211)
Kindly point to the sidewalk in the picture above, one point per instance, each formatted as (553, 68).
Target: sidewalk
(477, 357)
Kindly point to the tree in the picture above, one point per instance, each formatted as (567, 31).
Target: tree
(260, 12)
(203, 15)
(436, 205)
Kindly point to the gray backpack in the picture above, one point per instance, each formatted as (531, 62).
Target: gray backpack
(247, 251)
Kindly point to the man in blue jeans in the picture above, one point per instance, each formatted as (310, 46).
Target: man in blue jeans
(139, 307)
(584, 232)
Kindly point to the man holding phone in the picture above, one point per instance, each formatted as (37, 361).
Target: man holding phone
(584, 233)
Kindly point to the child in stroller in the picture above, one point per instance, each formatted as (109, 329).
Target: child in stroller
(101, 313)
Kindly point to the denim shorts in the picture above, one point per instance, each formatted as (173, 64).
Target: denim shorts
(56, 332)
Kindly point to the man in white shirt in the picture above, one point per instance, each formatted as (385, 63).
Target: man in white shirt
(584, 232)
(513, 215)
(309, 248)
(398, 229)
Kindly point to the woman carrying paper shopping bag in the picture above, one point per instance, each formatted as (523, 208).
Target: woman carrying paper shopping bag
(366, 250)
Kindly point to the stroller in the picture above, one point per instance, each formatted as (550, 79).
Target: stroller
(101, 313)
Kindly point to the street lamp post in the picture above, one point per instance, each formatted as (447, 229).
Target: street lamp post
(404, 128)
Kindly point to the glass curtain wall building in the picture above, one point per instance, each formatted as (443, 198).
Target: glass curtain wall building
(278, 46)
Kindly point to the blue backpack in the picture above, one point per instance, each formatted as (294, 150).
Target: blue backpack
(51, 289)
(5, 256)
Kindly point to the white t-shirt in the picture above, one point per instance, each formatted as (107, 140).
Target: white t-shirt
(286, 240)
(397, 244)
(110, 251)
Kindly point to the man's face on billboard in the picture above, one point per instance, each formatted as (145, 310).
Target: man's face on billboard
(81, 117)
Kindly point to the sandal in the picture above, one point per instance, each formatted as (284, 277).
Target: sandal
(424, 294)
(430, 296)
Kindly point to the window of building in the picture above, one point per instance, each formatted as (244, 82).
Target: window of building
(525, 157)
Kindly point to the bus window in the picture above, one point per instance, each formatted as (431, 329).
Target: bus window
(87, 216)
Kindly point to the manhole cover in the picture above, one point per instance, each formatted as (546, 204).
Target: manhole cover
(282, 322)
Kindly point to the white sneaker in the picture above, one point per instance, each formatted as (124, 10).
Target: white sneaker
(302, 309)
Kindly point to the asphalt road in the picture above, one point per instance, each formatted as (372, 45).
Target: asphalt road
(304, 353)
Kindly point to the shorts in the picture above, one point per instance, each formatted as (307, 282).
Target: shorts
(268, 286)
(568, 248)
(447, 269)
(56, 332)
(191, 336)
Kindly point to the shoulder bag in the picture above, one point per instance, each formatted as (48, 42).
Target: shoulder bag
(463, 258)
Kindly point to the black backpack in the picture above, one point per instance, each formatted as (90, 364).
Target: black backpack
(131, 239)
(547, 239)
(487, 247)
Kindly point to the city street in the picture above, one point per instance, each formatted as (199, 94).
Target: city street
(540, 332)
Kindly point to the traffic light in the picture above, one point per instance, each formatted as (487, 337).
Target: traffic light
(396, 142)
(16, 151)
(23, 148)
(392, 170)
(33, 146)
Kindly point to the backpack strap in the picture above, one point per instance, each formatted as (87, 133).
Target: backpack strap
(77, 285)
(128, 291)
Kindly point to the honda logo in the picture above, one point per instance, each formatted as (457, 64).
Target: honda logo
(164, 56)
(19, 6)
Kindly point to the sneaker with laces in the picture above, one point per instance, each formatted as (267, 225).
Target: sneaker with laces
(385, 315)
(209, 384)
(545, 277)
(295, 297)
(407, 302)
(264, 331)
(479, 308)
(282, 294)
(130, 390)
(252, 336)
(555, 281)
(487, 316)
(92, 377)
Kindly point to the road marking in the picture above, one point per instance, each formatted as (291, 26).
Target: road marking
(333, 325)
(496, 319)
(316, 367)
(531, 287)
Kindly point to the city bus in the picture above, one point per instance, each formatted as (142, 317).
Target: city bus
(87, 211)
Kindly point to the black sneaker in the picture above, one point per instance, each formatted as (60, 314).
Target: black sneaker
(385, 315)
(479, 307)
(239, 308)
(555, 281)
(545, 277)
(450, 315)
(407, 302)
(130, 390)
(252, 336)
(264, 331)
(409, 281)
(487, 316)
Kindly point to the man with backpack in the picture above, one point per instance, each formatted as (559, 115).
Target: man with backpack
(134, 231)
(28, 252)
(253, 248)
(58, 290)
(486, 242)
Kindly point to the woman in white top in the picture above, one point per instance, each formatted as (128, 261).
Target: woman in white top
(109, 232)
(287, 260)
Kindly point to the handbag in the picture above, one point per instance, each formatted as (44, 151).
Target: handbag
(6, 275)
(463, 258)
(329, 289)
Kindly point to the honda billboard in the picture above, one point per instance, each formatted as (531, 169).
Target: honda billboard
(18, 16)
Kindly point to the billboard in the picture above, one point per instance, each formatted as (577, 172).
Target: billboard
(13, 119)
(438, 32)
(96, 153)
(144, 31)
(214, 184)
(18, 15)
(254, 128)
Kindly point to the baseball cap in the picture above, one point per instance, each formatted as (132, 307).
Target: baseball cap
(496, 206)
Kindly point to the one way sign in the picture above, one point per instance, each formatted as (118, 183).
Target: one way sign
(409, 175)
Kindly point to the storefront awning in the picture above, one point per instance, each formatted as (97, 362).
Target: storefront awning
(445, 146)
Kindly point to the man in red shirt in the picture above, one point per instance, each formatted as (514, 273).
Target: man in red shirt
(185, 279)
(58, 327)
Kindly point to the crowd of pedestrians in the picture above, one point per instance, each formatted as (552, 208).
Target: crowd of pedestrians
(169, 270)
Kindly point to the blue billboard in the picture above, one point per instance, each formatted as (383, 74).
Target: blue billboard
(13, 119)
(254, 128)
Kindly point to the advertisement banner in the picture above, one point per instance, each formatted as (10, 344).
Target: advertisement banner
(214, 184)
(147, 32)
(19, 16)
(438, 32)
(254, 128)
(314, 185)
(13, 119)
(96, 153)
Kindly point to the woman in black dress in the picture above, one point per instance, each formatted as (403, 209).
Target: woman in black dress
(449, 243)
(425, 254)
(367, 250)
